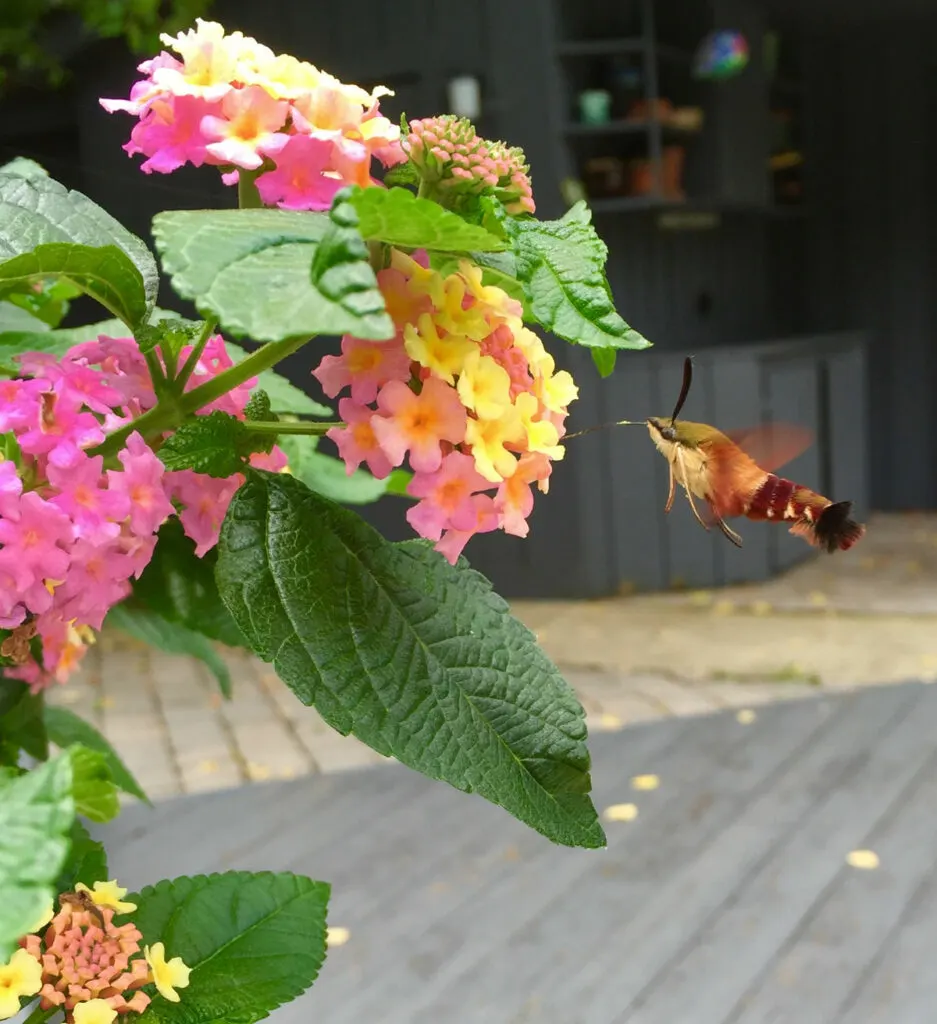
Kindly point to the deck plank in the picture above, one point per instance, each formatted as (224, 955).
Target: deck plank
(726, 902)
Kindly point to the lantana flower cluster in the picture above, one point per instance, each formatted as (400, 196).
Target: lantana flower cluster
(452, 159)
(230, 101)
(464, 391)
(73, 533)
(80, 962)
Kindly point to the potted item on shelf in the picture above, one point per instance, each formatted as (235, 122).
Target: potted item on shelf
(595, 106)
(687, 119)
(651, 110)
(671, 175)
(605, 176)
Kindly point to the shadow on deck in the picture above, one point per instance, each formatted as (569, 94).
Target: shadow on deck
(728, 899)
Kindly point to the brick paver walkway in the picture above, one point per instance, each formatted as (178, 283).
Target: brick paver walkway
(837, 622)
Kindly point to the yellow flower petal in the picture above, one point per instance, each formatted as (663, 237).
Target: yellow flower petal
(167, 975)
(20, 976)
(94, 1011)
(108, 894)
(864, 860)
(745, 717)
(485, 386)
(620, 812)
(44, 918)
(645, 782)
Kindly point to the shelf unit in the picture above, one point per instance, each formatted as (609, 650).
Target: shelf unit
(723, 166)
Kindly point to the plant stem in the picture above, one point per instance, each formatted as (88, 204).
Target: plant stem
(265, 357)
(273, 427)
(156, 371)
(248, 196)
(189, 365)
(172, 409)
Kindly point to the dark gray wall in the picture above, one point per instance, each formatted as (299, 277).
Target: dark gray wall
(872, 252)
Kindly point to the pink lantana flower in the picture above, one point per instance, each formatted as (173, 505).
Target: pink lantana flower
(94, 510)
(142, 483)
(249, 125)
(299, 182)
(357, 442)
(364, 366)
(515, 499)
(418, 423)
(446, 496)
(37, 535)
(170, 134)
(206, 501)
(486, 519)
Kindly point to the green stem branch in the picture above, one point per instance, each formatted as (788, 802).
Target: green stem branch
(208, 328)
(309, 427)
(171, 410)
(248, 196)
(39, 1016)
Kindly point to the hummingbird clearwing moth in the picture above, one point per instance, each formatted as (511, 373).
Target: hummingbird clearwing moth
(720, 470)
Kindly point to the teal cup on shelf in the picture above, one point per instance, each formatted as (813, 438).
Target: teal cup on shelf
(595, 106)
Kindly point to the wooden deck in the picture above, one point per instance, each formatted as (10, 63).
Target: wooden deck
(727, 901)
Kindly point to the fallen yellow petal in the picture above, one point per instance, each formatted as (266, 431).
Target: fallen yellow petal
(336, 936)
(762, 608)
(818, 599)
(645, 782)
(724, 607)
(865, 860)
(746, 716)
(620, 812)
(608, 721)
(208, 767)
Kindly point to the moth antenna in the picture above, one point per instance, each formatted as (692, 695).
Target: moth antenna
(685, 390)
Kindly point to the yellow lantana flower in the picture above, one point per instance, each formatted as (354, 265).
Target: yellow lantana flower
(542, 435)
(485, 386)
(452, 317)
(421, 281)
(488, 438)
(44, 918)
(556, 391)
(490, 295)
(167, 975)
(445, 356)
(20, 976)
(94, 1011)
(108, 894)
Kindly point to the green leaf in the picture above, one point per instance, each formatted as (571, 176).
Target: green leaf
(106, 274)
(417, 658)
(92, 785)
(36, 815)
(171, 334)
(180, 587)
(402, 174)
(604, 359)
(14, 317)
(216, 444)
(65, 728)
(284, 396)
(250, 269)
(38, 210)
(253, 940)
(326, 475)
(23, 167)
(398, 217)
(21, 725)
(153, 629)
(258, 406)
(562, 265)
(57, 342)
(86, 863)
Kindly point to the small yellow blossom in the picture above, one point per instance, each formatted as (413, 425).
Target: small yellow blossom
(485, 386)
(444, 356)
(487, 439)
(421, 281)
(542, 435)
(495, 298)
(94, 1011)
(454, 318)
(540, 361)
(556, 391)
(108, 894)
(20, 976)
(167, 975)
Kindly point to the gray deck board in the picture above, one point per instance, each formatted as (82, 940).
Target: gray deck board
(727, 901)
